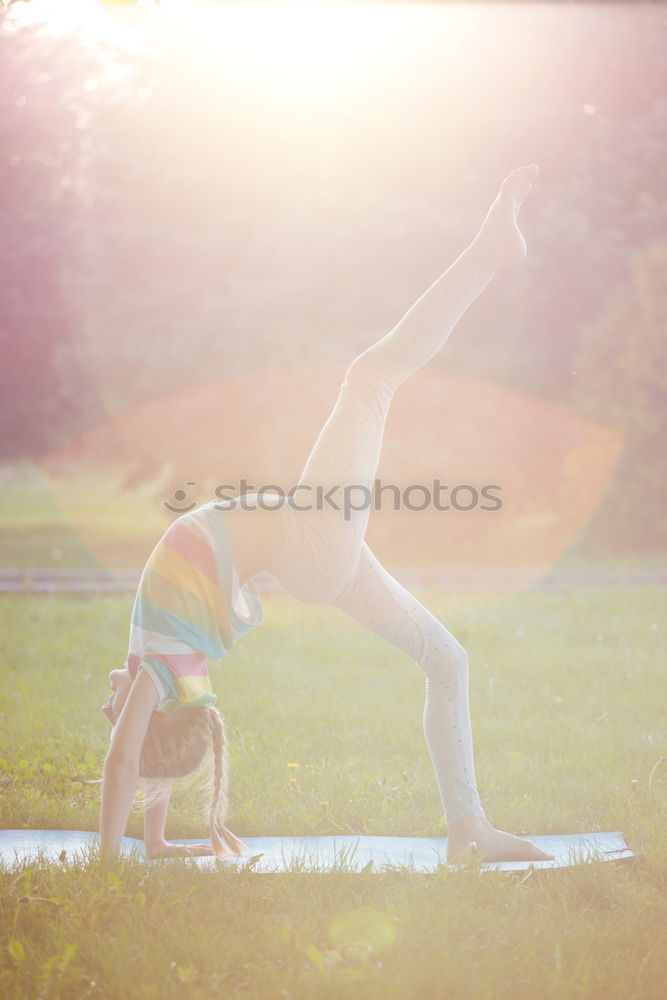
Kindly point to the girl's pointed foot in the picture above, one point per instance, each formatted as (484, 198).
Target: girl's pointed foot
(500, 238)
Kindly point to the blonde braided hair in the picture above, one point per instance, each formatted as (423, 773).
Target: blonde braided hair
(176, 745)
(220, 799)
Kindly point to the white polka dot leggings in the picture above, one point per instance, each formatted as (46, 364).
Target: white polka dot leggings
(320, 556)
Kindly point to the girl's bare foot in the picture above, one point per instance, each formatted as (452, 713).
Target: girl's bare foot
(500, 239)
(489, 844)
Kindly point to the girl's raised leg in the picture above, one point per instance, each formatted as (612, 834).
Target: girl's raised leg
(319, 554)
(316, 547)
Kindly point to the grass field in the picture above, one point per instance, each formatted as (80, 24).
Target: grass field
(568, 700)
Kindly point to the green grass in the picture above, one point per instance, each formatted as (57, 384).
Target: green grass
(86, 519)
(568, 701)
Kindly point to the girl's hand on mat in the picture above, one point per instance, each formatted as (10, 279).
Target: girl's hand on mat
(167, 850)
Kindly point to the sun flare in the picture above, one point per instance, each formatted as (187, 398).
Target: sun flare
(289, 46)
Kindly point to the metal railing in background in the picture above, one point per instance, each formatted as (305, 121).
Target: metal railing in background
(90, 581)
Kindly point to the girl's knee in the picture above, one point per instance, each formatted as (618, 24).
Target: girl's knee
(367, 376)
(444, 659)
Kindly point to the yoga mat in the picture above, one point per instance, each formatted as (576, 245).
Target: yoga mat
(337, 853)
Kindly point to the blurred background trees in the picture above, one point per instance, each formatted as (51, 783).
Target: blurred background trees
(43, 394)
(171, 214)
(623, 382)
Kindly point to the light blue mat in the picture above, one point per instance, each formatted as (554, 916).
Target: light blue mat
(333, 853)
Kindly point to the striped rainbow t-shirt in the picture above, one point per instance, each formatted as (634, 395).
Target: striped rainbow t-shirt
(189, 608)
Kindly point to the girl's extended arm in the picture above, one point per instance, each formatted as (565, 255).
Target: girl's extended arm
(121, 765)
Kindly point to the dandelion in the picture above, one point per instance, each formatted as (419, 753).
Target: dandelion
(324, 803)
(293, 764)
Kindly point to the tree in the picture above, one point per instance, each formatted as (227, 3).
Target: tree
(43, 390)
(622, 373)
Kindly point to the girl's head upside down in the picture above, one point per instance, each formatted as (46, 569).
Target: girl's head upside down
(176, 745)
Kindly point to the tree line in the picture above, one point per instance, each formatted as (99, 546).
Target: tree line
(164, 218)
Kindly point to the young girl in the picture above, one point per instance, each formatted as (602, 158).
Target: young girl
(196, 595)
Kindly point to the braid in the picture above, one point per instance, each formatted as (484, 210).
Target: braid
(225, 841)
